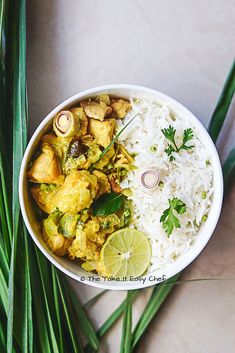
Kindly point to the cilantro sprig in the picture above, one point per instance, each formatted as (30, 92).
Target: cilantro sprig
(168, 219)
(169, 134)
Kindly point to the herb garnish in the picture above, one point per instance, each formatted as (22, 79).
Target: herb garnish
(114, 140)
(107, 204)
(169, 133)
(168, 219)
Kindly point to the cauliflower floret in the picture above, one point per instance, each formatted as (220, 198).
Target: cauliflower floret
(81, 247)
(91, 230)
(78, 192)
(44, 197)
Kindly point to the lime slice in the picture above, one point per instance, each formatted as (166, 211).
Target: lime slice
(126, 252)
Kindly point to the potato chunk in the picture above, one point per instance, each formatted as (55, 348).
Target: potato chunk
(46, 168)
(121, 107)
(102, 131)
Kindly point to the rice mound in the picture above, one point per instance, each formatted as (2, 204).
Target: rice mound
(188, 177)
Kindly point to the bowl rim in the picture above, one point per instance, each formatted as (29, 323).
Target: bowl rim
(211, 222)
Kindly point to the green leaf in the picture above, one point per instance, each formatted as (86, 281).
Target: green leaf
(52, 336)
(160, 293)
(229, 170)
(169, 133)
(127, 325)
(82, 318)
(107, 204)
(221, 109)
(168, 219)
(19, 143)
(58, 317)
(3, 291)
(112, 319)
(188, 135)
(94, 299)
(71, 328)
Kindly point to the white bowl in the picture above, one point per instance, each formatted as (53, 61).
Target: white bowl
(71, 268)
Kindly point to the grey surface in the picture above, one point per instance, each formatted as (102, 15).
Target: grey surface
(184, 49)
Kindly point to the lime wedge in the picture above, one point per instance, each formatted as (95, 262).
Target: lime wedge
(126, 252)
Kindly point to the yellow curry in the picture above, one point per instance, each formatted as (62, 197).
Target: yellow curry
(71, 172)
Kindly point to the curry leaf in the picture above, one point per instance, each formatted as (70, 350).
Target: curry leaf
(107, 204)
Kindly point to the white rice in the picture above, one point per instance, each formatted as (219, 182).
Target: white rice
(185, 178)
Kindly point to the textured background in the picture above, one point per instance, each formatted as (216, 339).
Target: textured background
(183, 49)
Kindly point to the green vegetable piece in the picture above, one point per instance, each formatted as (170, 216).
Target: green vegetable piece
(169, 134)
(107, 204)
(168, 219)
(153, 148)
(204, 218)
(204, 193)
(50, 227)
(67, 225)
(48, 187)
(110, 221)
(56, 216)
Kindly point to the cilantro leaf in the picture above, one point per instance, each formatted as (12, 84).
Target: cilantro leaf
(169, 134)
(168, 219)
(169, 150)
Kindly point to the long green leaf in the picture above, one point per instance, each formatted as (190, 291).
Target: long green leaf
(19, 143)
(229, 170)
(116, 315)
(3, 291)
(58, 317)
(52, 336)
(221, 109)
(28, 309)
(4, 228)
(127, 326)
(94, 299)
(83, 320)
(159, 295)
(67, 317)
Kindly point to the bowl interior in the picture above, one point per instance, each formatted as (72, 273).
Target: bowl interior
(72, 268)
